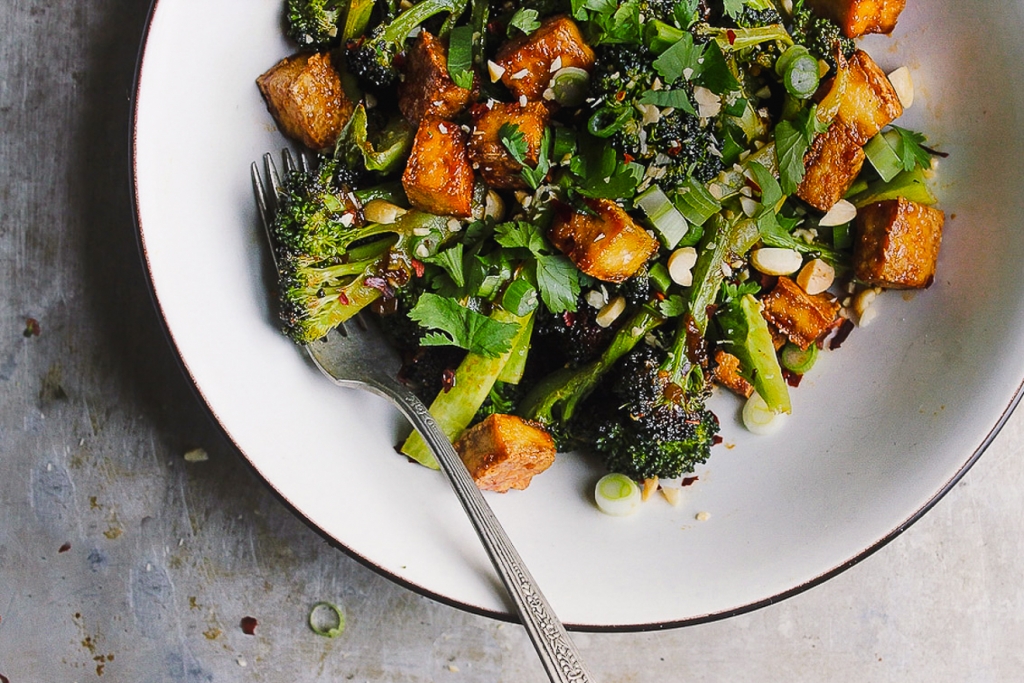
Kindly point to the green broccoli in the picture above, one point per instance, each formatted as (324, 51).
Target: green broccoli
(314, 23)
(819, 35)
(330, 264)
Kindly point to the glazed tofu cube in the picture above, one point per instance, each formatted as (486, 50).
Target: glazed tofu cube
(897, 244)
(504, 452)
(869, 103)
(606, 244)
(857, 17)
(497, 167)
(438, 177)
(833, 163)
(428, 90)
(530, 61)
(727, 374)
(303, 93)
(802, 317)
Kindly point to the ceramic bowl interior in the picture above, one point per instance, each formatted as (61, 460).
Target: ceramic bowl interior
(880, 428)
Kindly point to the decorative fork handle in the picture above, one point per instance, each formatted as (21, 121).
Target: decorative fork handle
(557, 652)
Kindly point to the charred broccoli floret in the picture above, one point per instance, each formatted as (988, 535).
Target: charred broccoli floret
(314, 23)
(372, 58)
(819, 35)
(663, 428)
(330, 263)
(575, 334)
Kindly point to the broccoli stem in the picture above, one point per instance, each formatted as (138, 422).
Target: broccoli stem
(554, 400)
(513, 370)
(357, 16)
(398, 30)
(454, 409)
(749, 339)
(736, 39)
(725, 241)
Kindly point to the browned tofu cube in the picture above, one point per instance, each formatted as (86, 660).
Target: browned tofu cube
(530, 61)
(303, 93)
(497, 167)
(897, 244)
(607, 244)
(869, 103)
(504, 452)
(727, 373)
(428, 90)
(438, 177)
(833, 163)
(802, 317)
(857, 17)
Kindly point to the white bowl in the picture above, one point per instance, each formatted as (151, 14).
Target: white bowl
(880, 430)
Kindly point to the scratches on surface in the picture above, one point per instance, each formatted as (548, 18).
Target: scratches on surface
(52, 495)
(151, 594)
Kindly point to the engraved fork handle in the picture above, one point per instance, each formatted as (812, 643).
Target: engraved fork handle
(557, 652)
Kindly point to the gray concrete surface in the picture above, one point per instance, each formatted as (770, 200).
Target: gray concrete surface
(120, 561)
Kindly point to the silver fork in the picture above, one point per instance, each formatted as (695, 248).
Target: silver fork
(357, 356)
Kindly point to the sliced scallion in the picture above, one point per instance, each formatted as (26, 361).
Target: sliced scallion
(883, 157)
(664, 216)
(798, 360)
(659, 277)
(617, 494)
(326, 620)
(570, 85)
(607, 121)
(801, 77)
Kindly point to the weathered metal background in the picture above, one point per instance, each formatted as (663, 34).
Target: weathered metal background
(121, 561)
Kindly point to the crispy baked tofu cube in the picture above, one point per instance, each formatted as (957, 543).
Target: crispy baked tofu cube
(529, 61)
(727, 373)
(833, 163)
(897, 244)
(857, 17)
(802, 317)
(428, 90)
(438, 177)
(304, 95)
(607, 244)
(505, 452)
(497, 167)
(869, 103)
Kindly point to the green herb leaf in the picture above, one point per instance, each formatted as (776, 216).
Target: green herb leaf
(450, 260)
(520, 234)
(514, 141)
(673, 306)
(909, 149)
(460, 56)
(678, 99)
(771, 191)
(525, 20)
(558, 282)
(790, 147)
(681, 60)
(733, 7)
(461, 327)
(715, 74)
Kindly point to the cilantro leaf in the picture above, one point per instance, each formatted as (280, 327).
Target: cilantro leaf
(790, 147)
(672, 306)
(461, 327)
(520, 234)
(677, 99)
(733, 7)
(910, 151)
(558, 282)
(683, 59)
(524, 19)
(450, 260)
(514, 141)
(460, 56)
(715, 74)
(771, 191)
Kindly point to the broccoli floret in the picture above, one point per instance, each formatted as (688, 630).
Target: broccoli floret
(663, 10)
(575, 334)
(330, 264)
(372, 58)
(753, 18)
(314, 23)
(663, 428)
(819, 35)
(676, 142)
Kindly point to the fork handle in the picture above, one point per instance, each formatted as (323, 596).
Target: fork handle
(557, 652)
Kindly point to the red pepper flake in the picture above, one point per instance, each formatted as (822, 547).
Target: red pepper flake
(64, 548)
(343, 299)
(689, 481)
(628, 157)
(249, 625)
(716, 439)
(400, 61)
(792, 378)
(569, 318)
(731, 35)
(674, 149)
(844, 331)
(32, 328)
(620, 96)
(447, 380)
(417, 267)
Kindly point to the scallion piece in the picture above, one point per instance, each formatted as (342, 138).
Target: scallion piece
(607, 121)
(617, 495)
(326, 620)
(883, 157)
(798, 360)
(569, 86)
(664, 216)
(460, 56)
(800, 75)
(659, 276)
(696, 203)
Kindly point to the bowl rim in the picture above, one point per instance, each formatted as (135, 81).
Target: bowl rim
(509, 617)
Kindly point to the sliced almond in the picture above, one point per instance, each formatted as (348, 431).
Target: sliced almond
(495, 71)
(816, 276)
(494, 205)
(903, 84)
(611, 312)
(680, 265)
(841, 213)
(776, 261)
